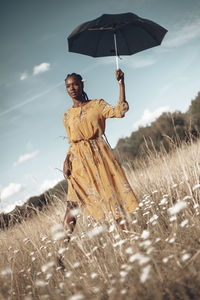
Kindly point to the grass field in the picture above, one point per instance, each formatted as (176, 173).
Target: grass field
(158, 258)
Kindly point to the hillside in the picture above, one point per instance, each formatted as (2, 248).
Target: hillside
(168, 129)
(34, 204)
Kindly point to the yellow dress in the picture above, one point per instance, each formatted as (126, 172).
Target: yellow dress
(97, 182)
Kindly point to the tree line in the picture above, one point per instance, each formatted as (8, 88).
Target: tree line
(167, 130)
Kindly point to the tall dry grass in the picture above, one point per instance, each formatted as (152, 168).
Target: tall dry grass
(159, 258)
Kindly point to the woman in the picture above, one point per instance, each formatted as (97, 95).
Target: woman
(95, 180)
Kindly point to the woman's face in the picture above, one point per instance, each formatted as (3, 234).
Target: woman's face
(74, 88)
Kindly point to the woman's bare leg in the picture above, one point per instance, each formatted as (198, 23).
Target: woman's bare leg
(69, 223)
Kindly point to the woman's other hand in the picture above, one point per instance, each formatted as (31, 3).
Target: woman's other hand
(119, 76)
(67, 168)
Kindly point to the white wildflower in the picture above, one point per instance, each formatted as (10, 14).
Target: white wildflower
(95, 231)
(124, 266)
(141, 258)
(196, 186)
(61, 285)
(145, 244)
(76, 264)
(165, 196)
(76, 297)
(95, 248)
(68, 274)
(117, 236)
(183, 223)
(121, 242)
(40, 283)
(62, 250)
(145, 234)
(165, 260)
(163, 201)
(172, 218)
(96, 289)
(6, 271)
(48, 276)
(177, 207)
(122, 222)
(186, 257)
(123, 273)
(112, 228)
(56, 227)
(16, 251)
(58, 235)
(153, 218)
(196, 205)
(21, 271)
(33, 258)
(146, 213)
(172, 240)
(110, 291)
(124, 291)
(157, 240)
(129, 250)
(154, 192)
(75, 212)
(47, 266)
(94, 275)
(150, 250)
(145, 273)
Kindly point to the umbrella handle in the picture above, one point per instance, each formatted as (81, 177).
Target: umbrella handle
(116, 52)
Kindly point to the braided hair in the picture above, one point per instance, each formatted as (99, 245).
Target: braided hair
(79, 78)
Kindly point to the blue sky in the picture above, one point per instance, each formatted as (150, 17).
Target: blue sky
(34, 60)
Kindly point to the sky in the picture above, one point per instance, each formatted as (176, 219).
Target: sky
(34, 61)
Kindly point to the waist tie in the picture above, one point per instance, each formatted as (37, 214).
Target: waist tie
(92, 139)
(86, 140)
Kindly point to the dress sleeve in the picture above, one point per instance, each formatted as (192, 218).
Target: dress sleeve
(109, 111)
(64, 120)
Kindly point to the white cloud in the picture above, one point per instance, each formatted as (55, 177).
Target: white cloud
(43, 67)
(141, 62)
(181, 36)
(24, 76)
(11, 206)
(47, 184)
(10, 190)
(25, 157)
(149, 116)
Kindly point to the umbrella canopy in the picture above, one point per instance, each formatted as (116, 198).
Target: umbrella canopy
(115, 34)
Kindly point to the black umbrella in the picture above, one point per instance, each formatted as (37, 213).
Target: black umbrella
(115, 34)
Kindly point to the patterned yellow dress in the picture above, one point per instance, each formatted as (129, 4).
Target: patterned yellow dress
(97, 182)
